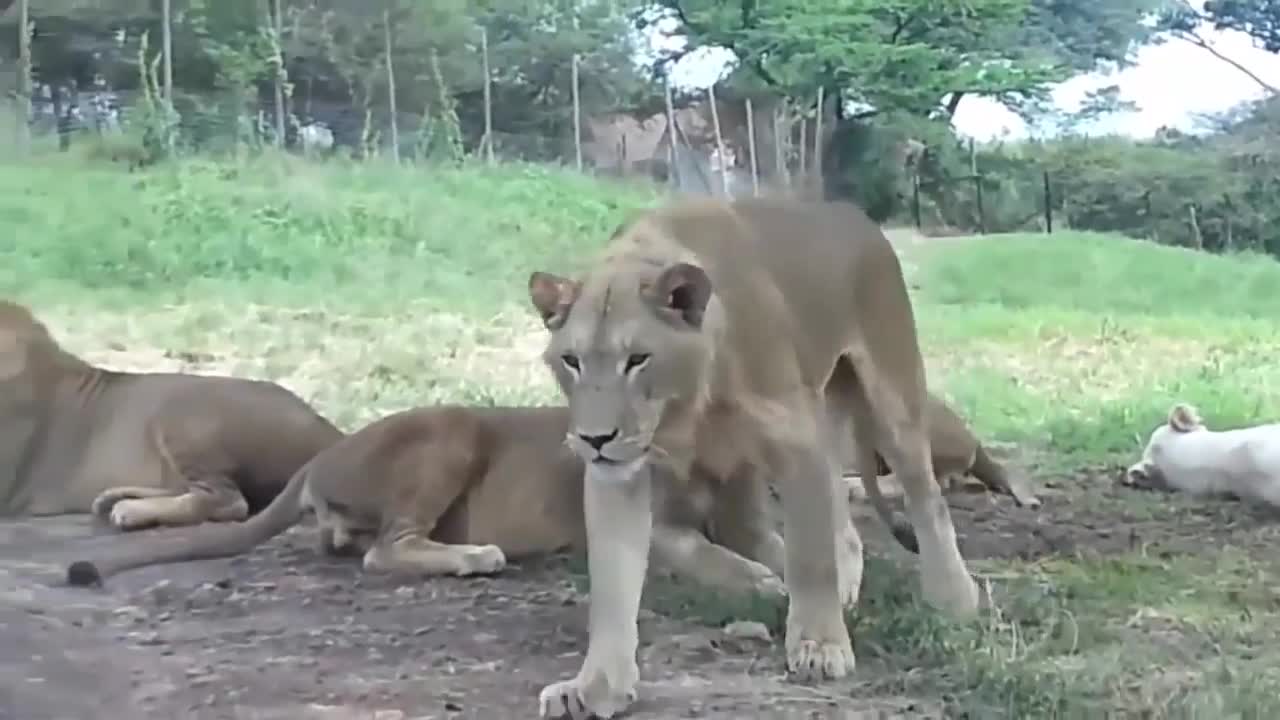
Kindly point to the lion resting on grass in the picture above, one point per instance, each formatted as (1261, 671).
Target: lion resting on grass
(140, 449)
(707, 334)
(458, 491)
(956, 452)
(1184, 455)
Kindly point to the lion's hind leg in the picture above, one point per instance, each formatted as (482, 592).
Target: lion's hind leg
(209, 499)
(430, 478)
(688, 553)
(895, 409)
(108, 498)
(740, 519)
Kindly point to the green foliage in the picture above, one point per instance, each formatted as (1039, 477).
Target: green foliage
(281, 225)
(905, 55)
(1259, 19)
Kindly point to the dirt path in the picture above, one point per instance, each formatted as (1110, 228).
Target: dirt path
(285, 634)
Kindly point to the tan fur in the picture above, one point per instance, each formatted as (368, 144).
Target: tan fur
(707, 334)
(459, 491)
(140, 449)
(955, 452)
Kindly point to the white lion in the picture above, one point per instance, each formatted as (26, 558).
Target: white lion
(1185, 455)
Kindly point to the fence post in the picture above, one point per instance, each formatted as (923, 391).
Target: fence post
(23, 106)
(673, 172)
(1048, 205)
(577, 116)
(392, 110)
(915, 200)
(751, 148)
(780, 140)
(804, 148)
(977, 187)
(715, 125)
(488, 95)
(817, 181)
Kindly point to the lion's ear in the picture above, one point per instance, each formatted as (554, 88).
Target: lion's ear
(683, 290)
(1184, 418)
(552, 297)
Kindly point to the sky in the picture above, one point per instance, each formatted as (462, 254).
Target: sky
(1170, 84)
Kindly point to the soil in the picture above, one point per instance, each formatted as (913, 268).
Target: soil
(287, 634)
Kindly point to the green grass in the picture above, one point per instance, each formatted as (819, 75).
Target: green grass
(369, 289)
(1077, 344)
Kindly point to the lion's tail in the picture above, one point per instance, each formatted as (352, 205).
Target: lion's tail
(210, 540)
(901, 529)
(997, 479)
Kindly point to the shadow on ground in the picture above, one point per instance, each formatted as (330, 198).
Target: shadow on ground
(287, 634)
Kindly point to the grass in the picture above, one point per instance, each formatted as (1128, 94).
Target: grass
(369, 289)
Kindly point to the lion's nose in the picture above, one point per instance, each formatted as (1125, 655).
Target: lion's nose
(597, 441)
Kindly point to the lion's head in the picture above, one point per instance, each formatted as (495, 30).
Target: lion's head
(1146, 473)
(27, 349)
(633, 336)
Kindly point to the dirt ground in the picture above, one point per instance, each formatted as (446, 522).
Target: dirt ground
(285, 633)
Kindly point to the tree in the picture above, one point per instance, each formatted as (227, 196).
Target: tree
(1259, 19)
(920, 56)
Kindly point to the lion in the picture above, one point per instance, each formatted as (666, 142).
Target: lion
(1184, 455)
(456, 490)
(140, 449)
(707, 332)
(955, 452)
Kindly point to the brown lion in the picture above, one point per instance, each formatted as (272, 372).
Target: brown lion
(459, 491)
(140, 449)
(706, 335)
(955, 452)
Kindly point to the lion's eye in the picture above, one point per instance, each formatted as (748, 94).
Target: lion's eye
(571, 362)
(637, 361)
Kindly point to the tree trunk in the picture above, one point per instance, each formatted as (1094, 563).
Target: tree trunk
(391, 85)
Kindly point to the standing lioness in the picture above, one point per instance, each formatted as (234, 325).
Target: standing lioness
(708, 332)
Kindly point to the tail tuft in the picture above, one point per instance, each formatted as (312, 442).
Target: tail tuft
(83, 573)
(903, 533)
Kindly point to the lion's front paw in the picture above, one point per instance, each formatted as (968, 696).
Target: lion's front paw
(815, 660)
(483, 560)
(771, 586)
(106, 501)
(959, 597)
(130, 515)
(587, 697)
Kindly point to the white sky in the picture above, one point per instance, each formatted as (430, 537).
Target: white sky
(1170, 83)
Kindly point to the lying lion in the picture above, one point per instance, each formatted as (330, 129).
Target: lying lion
(140, 449)
(706, 334)
(1184, 455)
(956, 452)
(459, 491)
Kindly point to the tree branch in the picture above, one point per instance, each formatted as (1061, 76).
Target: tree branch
(953, 102)
(901, 23)
(1191, 37)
